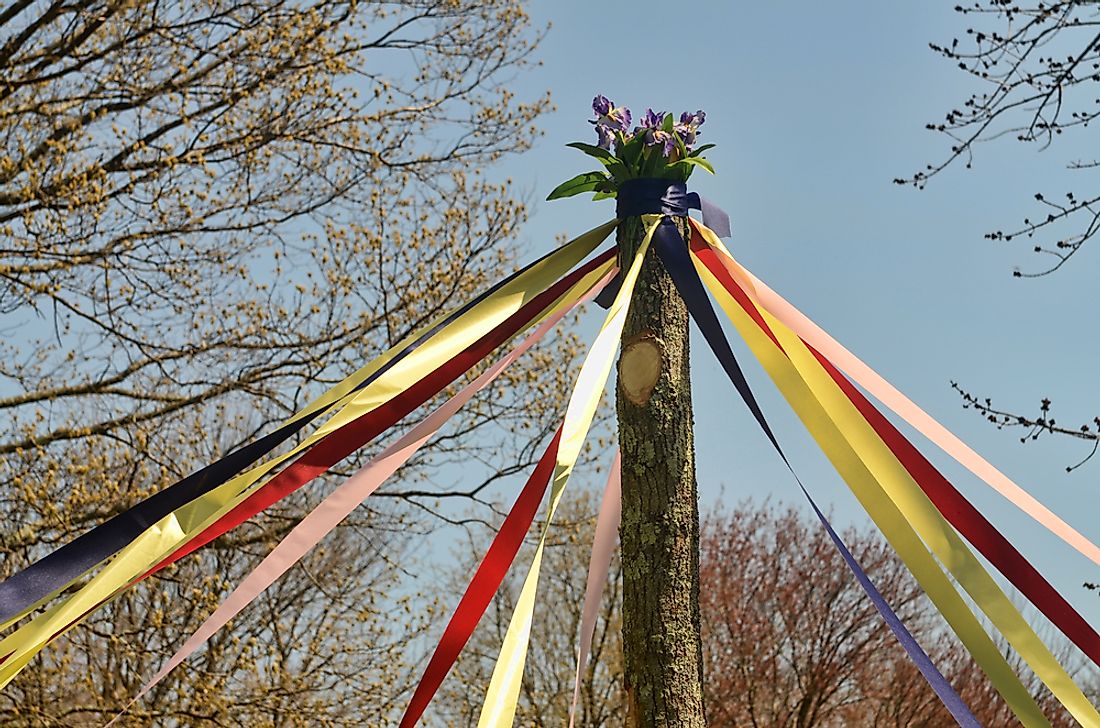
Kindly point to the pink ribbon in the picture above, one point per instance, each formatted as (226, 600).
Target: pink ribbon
(603, 545)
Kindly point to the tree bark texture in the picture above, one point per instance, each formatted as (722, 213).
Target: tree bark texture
(660, 511)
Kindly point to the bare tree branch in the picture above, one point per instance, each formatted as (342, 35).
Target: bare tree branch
(1038, 65)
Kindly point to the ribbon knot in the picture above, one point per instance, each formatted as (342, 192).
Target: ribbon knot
(650, 195)
(655, 196)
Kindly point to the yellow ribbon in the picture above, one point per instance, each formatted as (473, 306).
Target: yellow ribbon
(176, 529)
(499, 709)
(897, 504)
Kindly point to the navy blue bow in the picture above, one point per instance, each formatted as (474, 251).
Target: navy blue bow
(647, 195)
(654, 196)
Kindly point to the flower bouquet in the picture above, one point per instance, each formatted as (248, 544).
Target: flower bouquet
(659, 148)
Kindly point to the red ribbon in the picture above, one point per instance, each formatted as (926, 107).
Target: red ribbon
(502, 552)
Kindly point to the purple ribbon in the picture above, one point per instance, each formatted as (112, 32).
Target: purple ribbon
(931, 673)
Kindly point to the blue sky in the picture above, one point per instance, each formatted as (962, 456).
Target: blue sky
(816, 107)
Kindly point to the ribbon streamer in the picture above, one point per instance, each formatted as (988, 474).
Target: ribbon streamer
(958, 511)
(25, 590)
(335, 507)
(599, 564)
(206, 516)
(897, 484)
(502, 696)
(906, 409)
(674, 254)
(855, 472)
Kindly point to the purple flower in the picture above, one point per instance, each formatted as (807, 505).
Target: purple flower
(663, 138)
(688, 128)
(616, 118)
(695, 119)
(686, 133)
(652, 119)
(655, 135)
(610, 119)
(601, 105)
(619, 119)
(651, 124)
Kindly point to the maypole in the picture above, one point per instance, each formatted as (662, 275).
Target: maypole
(647, 167)
(668, 268)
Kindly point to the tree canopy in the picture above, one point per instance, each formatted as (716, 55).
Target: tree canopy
(209, 211)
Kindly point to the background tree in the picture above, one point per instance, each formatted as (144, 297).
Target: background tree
(790, 640)
(1036, 66)
(209, 211)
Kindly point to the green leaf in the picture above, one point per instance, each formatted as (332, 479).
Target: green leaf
(678, 171)
(598, 152)
(619, 171)
(681, 169)
(700, 162)
(605, 195)
(655, 162)
(614, 165)
(631, 151)
(668, 123)
(587, 182)
(698, 152)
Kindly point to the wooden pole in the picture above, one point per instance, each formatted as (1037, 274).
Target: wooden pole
(660, 516)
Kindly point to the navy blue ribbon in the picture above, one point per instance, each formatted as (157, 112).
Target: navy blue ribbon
(53, 571)
(647, 195)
